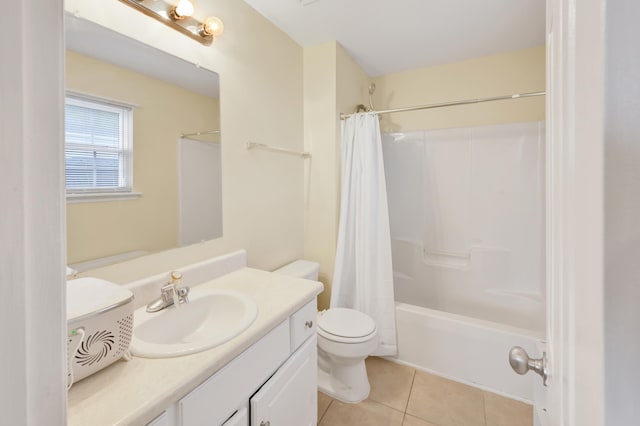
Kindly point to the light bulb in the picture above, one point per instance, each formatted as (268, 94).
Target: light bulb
(183, 9)
(213, 27)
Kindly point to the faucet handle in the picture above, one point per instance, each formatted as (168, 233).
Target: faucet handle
(176, 276)
(183, 294)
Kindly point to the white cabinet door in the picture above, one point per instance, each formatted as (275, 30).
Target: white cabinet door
(289, 398)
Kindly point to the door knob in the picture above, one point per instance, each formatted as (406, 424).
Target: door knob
(521, 363)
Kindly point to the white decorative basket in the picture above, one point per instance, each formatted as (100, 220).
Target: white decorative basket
(99, 325)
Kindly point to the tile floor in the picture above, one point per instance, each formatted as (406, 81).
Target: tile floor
(402, 396)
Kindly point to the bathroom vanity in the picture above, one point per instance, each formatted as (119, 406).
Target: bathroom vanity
(265, 376)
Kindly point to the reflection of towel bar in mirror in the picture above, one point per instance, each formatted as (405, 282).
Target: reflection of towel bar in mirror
(206, 132)
(252, 145)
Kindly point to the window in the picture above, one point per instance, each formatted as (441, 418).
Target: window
(98, 148)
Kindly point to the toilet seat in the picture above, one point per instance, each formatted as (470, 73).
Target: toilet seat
(346, 325)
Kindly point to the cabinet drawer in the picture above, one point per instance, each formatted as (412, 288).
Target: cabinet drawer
(303, 324)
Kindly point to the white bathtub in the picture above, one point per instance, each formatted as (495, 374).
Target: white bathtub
(464, 349)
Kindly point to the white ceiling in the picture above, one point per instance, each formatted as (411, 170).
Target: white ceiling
(91, 39)
(386, 36)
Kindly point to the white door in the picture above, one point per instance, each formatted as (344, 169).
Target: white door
(290, 397)
(575, 54)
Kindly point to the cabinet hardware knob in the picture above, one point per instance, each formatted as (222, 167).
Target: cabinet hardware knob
(308, 324)
(267, 423)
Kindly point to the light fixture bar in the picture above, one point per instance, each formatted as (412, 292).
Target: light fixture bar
(160, 11)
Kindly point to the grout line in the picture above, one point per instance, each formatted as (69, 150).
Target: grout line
(325, 411)
(413, 379)
(385, 404)
(484, 407)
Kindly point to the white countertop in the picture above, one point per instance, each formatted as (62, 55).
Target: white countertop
(134, 392)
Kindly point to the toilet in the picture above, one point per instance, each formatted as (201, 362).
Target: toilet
(345, 338)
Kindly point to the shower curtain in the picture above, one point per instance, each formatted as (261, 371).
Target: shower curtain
(363, 275)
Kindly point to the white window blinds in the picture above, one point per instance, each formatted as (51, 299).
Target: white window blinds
(98, 146)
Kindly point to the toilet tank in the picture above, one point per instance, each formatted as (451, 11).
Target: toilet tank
(301, 269)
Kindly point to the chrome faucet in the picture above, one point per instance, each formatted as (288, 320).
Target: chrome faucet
(170, 294)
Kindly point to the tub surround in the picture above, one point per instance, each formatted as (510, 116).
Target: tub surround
(137, 391)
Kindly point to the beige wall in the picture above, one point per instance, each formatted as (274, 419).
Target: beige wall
(321, 173)
(262, 191)
(149, 223)
(333, 82)
(503, 74)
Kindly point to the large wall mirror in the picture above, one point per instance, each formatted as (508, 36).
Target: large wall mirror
(170, 158)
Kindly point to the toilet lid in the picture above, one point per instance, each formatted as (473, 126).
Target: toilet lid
(345, 322)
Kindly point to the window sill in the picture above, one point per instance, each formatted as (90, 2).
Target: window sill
(100, 197)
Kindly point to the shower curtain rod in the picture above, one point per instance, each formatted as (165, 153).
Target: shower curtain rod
(447, 104)
(206, 132)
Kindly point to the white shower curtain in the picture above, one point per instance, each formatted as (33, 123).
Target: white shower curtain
(363, 275)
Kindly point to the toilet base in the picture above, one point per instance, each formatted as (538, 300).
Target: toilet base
(348, 384)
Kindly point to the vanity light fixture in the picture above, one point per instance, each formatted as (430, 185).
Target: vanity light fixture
(212, 26)
(178, 15)
(182, 10)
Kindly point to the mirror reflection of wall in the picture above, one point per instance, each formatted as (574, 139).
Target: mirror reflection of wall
(177, 178)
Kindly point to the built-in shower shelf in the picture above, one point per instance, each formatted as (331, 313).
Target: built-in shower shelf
(536, 297)
(447, 259)
(400, 275)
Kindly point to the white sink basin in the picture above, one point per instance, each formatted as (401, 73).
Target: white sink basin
(211, 318)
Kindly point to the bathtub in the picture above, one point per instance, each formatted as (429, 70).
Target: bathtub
(464, 349)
